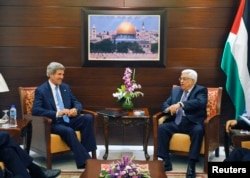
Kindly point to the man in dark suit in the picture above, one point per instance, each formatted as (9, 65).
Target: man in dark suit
(186, 107)
(238, 154)
(18, 162)
(55, 100)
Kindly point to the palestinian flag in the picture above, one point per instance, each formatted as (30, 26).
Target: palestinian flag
(235, 60)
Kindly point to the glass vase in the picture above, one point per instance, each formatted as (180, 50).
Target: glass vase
(128, 105)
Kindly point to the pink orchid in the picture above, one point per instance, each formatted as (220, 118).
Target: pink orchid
(129, 89)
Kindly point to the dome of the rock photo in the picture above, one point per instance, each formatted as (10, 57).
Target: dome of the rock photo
(126, 28)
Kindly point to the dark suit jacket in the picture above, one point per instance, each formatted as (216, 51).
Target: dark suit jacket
(194, 106)
(44, 104)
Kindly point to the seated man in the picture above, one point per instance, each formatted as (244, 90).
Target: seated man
(186, 107)
(18, 162)
(54, 99)
(238, 154)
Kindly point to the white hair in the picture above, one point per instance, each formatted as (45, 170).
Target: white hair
(53, 67)
(191, 73)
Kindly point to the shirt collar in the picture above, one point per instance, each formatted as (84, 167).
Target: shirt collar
(52, 85)
(188, 92)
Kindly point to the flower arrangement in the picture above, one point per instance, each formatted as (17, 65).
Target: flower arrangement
(129, 89)
(124, 169)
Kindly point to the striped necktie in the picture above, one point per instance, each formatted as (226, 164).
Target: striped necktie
(179, 113)
(61, 105)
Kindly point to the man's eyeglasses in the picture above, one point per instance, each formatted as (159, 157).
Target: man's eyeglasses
(184, 78)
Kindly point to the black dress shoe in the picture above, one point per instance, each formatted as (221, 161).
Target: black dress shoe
(168, 166)
(82, 167)
(51, 173)
(191, 171)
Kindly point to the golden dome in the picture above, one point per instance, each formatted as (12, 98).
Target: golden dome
(126, 28)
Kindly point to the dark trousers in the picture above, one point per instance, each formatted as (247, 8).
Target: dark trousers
(67, 131)
(166, 130)
(14, 157)
(239, 154)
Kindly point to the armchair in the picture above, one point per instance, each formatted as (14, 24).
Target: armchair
(43, 141)
(235, 138)
(241, 141)
(180, 143)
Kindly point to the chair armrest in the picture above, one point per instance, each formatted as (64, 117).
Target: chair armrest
(41, 134)
(156, 118)
(237, 139)
(212, 130)
(95, 117)
(90, 112)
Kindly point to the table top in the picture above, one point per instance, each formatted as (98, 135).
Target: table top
(21, 123)
(136, 112)
(239, 132)
(142, 110)
(16, 131)
(93, 168)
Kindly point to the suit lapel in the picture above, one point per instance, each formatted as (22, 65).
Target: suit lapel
(179, 95)
(50, 96)
(191, 93)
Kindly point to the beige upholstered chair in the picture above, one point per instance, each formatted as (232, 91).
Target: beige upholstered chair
(2, 166)
(43, 141)
(180, 143)
(245, 144)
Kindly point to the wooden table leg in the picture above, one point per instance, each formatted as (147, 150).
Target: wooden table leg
(29, 136)
(106, 136)
(145, 142)
(26, 135)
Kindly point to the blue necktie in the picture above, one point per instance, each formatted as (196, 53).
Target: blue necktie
(61, 105)
(180, 110)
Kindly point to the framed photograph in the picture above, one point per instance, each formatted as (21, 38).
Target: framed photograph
(123, 37)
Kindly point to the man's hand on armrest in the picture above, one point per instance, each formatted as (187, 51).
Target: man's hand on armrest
(229, 124)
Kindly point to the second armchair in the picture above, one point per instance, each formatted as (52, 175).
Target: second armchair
(43, 141)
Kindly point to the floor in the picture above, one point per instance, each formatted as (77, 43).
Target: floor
(66, 161)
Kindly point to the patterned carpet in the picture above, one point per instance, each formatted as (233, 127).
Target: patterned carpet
(76, 174)
(70, 174)
(183, 175)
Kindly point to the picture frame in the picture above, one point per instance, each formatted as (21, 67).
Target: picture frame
(122, 37)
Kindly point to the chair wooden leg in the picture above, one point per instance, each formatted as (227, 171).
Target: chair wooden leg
(94, 154)
(155, 154)
(155, 157)
(49, 161)
(217, 152)
(206, 163)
